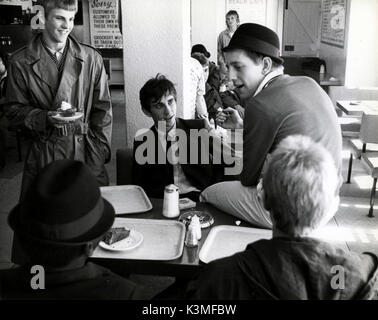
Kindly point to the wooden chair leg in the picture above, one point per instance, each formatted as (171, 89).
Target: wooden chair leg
(350, 168)
(372, 196)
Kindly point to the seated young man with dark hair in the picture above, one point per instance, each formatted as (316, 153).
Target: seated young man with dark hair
(59, 224)
(300, 191)
(187, 153)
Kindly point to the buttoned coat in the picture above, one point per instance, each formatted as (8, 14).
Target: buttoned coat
(36, 87)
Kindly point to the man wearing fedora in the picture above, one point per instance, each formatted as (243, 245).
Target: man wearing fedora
(276, 106)
(59, 224)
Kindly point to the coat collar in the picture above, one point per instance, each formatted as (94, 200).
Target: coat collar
(34, 49)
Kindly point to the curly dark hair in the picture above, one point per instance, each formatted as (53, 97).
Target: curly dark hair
(154, 89)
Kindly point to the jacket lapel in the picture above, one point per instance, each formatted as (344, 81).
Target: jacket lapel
(41, 64)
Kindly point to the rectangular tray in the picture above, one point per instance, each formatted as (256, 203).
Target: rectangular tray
(162, 240)
(127, 199)
(224, 241)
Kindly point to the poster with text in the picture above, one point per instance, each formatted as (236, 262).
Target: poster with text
(105, 32)
(249, 10)
(333, 22)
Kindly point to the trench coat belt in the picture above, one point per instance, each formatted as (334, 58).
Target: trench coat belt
(71, 128)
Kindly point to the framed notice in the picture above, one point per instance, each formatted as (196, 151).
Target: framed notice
(333, 22)
(249, 10)
(105, 32)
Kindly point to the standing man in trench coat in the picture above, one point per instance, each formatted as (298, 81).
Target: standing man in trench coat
(54, 68)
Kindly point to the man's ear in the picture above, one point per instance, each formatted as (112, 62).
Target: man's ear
(147, 113)
(267, 65)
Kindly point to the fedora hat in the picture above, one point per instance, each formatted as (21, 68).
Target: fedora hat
(63, 206)
(257, 38)
(201, 49)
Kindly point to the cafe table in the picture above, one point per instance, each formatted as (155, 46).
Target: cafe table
(358, 107)
(187, 264)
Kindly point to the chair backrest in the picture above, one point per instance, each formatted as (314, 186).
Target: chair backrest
(124, 159)
(369, 128)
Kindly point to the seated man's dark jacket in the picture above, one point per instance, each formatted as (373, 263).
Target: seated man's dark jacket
(288, 268)
(154, 177)
(89, 282)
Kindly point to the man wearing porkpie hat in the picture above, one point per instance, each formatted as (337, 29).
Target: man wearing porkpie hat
(59, 224)
(276, 106)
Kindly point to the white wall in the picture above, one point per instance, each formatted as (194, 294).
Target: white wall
(156, 39)
(208, 20)
(362, 53)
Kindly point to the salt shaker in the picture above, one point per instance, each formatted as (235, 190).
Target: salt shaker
(171, 202)
(197, 226)
(191, 237)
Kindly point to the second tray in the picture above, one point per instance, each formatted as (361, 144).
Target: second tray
(127, 199)
(224, 241)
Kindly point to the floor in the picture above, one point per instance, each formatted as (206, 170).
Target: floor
(350, 224)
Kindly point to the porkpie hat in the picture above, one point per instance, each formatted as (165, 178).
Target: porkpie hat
(257, 38)
(201, 49)
(63, 206)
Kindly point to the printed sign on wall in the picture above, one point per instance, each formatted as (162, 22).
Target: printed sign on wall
(249, 10)
(333, 22)
(105, 32)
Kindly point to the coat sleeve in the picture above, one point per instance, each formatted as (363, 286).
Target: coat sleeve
(18, 107)
(258, 138)
(100, 118)
(221, 61)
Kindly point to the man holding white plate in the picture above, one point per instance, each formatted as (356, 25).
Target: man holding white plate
(58, 89)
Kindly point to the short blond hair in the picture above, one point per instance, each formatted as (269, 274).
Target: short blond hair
(70, 5)
(300, 184)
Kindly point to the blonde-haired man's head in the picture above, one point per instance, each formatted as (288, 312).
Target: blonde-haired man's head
(301, 186)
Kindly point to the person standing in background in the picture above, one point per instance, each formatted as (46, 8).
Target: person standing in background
(197, 104)
(232, 23)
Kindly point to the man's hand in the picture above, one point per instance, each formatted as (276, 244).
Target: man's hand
(54, 122)
(229, 119)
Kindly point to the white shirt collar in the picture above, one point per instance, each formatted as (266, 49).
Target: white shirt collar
(267, 78)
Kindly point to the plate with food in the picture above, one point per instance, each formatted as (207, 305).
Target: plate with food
(66, 113)
(121, 239)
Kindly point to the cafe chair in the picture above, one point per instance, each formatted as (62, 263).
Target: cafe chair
(371, 162)
(124, 166)
(367, 141)
(366, 149)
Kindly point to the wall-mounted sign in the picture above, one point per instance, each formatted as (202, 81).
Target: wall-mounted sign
(333, 22)
(105, 32)
(249, 10)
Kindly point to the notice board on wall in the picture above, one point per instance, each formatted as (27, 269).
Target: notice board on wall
(333, 22)
(249, 10)
(104, 26)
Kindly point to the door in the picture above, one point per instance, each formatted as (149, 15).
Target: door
(301, 30)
